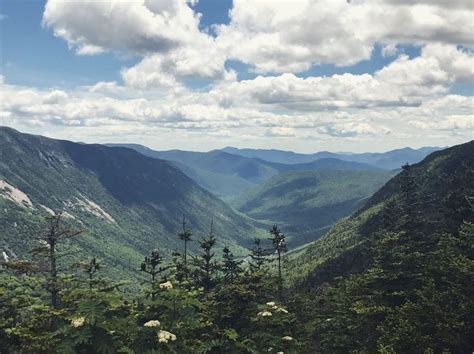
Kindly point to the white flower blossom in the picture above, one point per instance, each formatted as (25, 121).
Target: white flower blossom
(271, 303)
(166, 285)
(264, 314)
(78, 322)
(152, 323)
(282, 310)
(165, 337)
(287, 338)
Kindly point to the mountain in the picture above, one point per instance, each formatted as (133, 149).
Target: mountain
(388, 160)
(396, 276)
(307, 203)
(280, 156)
(223, 174)
(127, 202)
(228, 176)
(321, 164)
(444, 183)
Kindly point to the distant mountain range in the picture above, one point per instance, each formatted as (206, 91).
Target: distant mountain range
(388, 160)
(229, 174)
(127, 202)
(131, 199)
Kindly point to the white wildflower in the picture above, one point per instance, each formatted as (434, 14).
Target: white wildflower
(271, 303)
(166, 285)
(280, 353)
(152, 323)
(282, 310)
(78, 322)
(165, 337)
(287, 338)
(264, 314)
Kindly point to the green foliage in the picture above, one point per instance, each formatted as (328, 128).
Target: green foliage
(308, 203)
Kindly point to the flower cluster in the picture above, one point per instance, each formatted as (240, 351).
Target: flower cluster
(165, 337)
(272, 306)
(152, 323)
(78, 322)
(287, 338)
(166, 285)
(264, 314)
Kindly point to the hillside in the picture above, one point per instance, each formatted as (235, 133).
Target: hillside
(307, 203)
(396, 276)
(229, 176)
(389, 160)
(128, 203)
(225, 175)
(322, 163)
(444, 181)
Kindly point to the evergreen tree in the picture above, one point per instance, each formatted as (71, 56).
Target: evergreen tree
(258, 257)
(150, 265)
(230, 266)
(186, 236)
(91, 268)
(206, 266)
(47, 252)
(279, 245)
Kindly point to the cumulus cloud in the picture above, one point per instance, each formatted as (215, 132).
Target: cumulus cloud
(284, 36)
(271, 36)
(136, 26)
(281, 38)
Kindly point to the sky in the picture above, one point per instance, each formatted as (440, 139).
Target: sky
(300, 75)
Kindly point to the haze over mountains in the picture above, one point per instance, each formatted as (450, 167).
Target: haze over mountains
(387, 160)
(230, 172)
(130, 197)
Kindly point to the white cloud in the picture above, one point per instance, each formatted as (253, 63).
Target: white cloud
(279, 37)
(136, 26)
(276, 36)
(271, 36)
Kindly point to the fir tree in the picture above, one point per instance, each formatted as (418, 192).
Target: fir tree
(186, 236)
(258, 257)
(55, 233)
(279, 245)
(230, 266)
(206, 266)
(150, 265)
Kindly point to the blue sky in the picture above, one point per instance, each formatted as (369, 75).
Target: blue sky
(304, 75)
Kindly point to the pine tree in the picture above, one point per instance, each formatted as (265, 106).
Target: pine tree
(258, 257)
(186, 236)
(230, 267)
(90, 268)
(206, 266)
(279, 245)
(150, 265)
(54, 234)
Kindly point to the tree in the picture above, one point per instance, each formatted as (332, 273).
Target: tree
(150, 266)
(90, 268)
(258, 257)
(186, 236)
(206, 267)
(230, 267)
(279, 245)
(54, 234)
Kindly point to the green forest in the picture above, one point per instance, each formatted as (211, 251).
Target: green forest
(395, 277)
